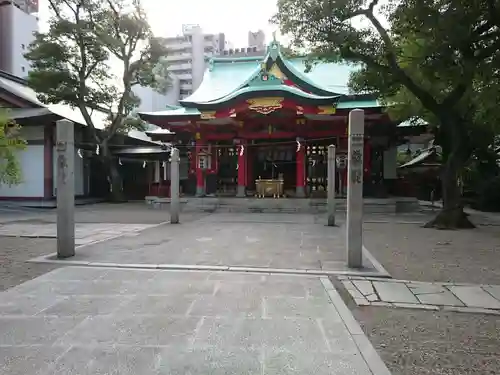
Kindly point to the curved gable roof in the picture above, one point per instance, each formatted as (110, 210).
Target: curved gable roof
(225, 76)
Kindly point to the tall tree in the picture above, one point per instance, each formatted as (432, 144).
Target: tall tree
(10, 144)
(428, 52)
(73, 63)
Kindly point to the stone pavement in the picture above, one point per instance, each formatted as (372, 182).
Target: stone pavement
(268, 242)
(85, 233)
(99, 321)
(471, 298)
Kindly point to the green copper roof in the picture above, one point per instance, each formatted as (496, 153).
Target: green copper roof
(332, 77)
(222, 78)
(353, 104)
(226, 75)
(282, 89)
(240, 78)
(181, 111)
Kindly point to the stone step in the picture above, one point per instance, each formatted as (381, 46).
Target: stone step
(280, 205)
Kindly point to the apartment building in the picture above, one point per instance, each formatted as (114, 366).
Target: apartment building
(152, 101)
(256, 46)
(18, 22)
(188, 53)
(257, 40)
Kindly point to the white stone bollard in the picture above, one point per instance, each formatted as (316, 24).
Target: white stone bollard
(174, 187)
(65, 148)
(355, 189)
(331, 186)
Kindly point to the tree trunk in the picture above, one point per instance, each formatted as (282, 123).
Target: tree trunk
(114, 178)
(452, 215)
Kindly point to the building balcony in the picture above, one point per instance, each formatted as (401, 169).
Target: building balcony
(185, 76)
(179, 67)
(179, 57)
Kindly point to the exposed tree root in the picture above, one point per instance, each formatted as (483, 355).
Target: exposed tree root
(451, 219)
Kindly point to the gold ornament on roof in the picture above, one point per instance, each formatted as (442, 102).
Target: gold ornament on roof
(327, 110)
(265, 106)
(208, 115)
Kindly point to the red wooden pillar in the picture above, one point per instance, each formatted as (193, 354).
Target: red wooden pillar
(200, 180)
(300, 190)
(242, 169)
(48, 161)
(250, 156)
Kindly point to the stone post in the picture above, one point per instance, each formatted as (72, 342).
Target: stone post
(200, 176)
(331, 186)
(300, 191)
(242, 170)
(355, 189)
(174, 187)
(65, 147)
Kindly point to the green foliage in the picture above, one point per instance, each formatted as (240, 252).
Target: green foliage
(436, 59)
(72, 61)
(10, 144)
(429, 53)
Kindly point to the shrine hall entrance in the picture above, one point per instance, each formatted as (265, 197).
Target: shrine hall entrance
(272, 161)
(275, 160)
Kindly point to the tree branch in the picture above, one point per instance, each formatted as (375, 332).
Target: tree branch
(390, 54)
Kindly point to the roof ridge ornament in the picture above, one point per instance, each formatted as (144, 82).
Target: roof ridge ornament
(265, 78)
(274, 49)
(211, 64)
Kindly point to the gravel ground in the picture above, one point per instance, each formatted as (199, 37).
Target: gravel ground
(15, 251)
(411, 252)
(417, 342)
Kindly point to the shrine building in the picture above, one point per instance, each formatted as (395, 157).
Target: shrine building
(269, 120)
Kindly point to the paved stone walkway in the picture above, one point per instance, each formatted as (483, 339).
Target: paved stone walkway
(269, 242)
(102, 321)
(85, 233)
(421, 295)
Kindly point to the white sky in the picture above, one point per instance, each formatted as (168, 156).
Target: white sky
(232, 17)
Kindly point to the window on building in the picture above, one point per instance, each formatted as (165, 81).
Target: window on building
(23, 69)
(23, 46)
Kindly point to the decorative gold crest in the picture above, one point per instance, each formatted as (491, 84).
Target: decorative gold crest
(265, 106)
(327, 110)
(208, 115)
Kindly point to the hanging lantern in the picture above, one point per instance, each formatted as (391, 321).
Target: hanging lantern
(144, 164)
(120, 161)
(242, 150)
(97, 150)
(79, 153)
